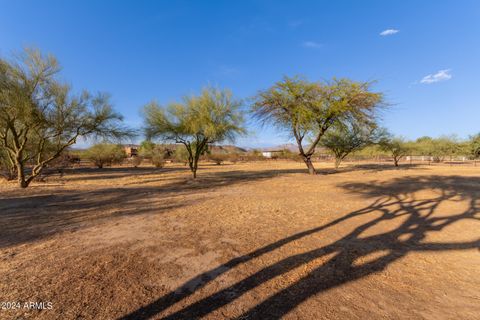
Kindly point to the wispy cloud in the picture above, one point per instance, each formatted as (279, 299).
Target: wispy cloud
(442, 75)
(389, 32)
(311, 44)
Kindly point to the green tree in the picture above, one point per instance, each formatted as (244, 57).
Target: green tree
(346, 138)
(474, 146)
(439, 148)
(308, 109)
(40, 118)
(445, 146)
(396, 146)
(198, 121)
(105, 154)
(424, 146)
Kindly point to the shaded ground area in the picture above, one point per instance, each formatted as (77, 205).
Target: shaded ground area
(245, 241)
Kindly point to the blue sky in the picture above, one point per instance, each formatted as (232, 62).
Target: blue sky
(428, 64)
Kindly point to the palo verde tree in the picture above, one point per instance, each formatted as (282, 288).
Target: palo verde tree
(198, 121)
(40, 118)
(349, 136)
(308, 109)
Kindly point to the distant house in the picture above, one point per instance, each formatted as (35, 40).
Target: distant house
(131, 150)
(276, 151)
(272, 153)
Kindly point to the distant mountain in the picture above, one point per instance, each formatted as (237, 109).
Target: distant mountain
(226, 149)
(289, 146)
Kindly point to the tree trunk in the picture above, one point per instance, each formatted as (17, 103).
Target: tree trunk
(395, 161)
(193, 168)
(22, 183)
(337, 162)
(193, 164)
(311, 168)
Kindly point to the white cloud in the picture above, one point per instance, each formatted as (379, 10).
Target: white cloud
(311, 44)
(442, 75)
(389, 32)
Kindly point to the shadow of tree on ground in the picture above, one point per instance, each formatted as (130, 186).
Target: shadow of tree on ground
(32, 217)
(395, 199)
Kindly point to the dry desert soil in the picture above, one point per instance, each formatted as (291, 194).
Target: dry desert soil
(245, 241)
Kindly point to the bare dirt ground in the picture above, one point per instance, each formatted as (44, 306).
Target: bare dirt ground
(246, 241)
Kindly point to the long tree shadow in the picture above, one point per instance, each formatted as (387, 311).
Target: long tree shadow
(394, 200)
(33, 217)
(87, 174)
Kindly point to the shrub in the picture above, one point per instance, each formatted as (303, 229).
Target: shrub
(155, 152)
(136, 161)
(254, 155)
(233, 157)
(105, 154)
(158, 160)
(218, 158)
(181, 155)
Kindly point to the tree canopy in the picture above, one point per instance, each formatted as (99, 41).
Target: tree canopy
(348, 137)
(308, 109)
(40, 117)
(474, 144)
(398, 147)
(197, 121)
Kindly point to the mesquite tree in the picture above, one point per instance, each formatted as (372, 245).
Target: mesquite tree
(40, 118)
(198, 121)
(346, 138)
(396, 146)
(309, 109)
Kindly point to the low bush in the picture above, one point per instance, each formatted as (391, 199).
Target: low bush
(105, 154)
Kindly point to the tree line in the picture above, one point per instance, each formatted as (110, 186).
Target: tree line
(41, 118)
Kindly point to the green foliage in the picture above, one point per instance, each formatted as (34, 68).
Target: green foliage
(474, 146)
(398, 147)
(105, 154)
(40, 118)
(7, 167)
(155, 152)
(181, 155)
(439, 148)
(446, 147)
(309, 109)
(346, 138)
(198, 121)
(146, 148)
